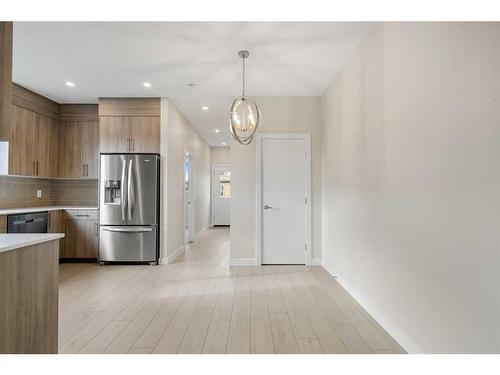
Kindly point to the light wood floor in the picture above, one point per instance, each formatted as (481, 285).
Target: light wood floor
(201, 305)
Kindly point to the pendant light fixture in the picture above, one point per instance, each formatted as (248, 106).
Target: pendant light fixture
(245, 116)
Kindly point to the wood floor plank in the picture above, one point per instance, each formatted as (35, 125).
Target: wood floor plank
(154, 330)
(100, 342)
(352, 339)
(138, 350)
(283, 337)
(239, 333)
(300, 322)
(350, 308)
(328, 337)
(261, 336)
(216, 338)
(173, 335)
(126, 339)
(310, 346)
(193, 340)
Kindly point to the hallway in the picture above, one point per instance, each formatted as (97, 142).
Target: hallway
(199, 304)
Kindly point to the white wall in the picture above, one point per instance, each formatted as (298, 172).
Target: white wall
(181, 137)
(411, 182)
(220, 155)
(280, 115)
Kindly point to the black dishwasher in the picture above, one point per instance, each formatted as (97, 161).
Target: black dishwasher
(27, 223)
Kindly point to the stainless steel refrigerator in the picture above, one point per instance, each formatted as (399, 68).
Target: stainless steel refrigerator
(129, 196)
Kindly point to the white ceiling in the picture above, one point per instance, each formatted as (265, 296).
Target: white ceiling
(115, 58)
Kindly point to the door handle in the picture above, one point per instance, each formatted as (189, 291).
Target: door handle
(37, 167)
(266, 207)
(130, 192)
(122, 189)
(128, 230)
(133, 144)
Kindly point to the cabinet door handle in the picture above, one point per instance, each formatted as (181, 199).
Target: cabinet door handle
(133, 143)
(86, 170)
(128, 147)
(33, 170)
(37, 167)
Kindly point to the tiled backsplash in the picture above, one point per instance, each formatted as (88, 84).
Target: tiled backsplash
(76, 192)
(19, 192)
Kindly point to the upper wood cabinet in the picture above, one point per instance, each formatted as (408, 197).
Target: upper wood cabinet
(129, 125)
(33, 144)
(79, 137)
(130, 134)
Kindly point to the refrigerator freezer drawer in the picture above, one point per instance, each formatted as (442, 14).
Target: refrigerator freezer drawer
(128, 244)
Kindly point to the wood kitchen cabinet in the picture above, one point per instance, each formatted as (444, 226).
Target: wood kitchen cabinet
(129, 125)
(127, 134)
(81, 235)
(3, 224)
(79, 135)
(55, 222)
(33, 135)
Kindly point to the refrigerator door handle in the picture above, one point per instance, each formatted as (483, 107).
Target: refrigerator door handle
(130, 193)
(122, 190)
(128, 230)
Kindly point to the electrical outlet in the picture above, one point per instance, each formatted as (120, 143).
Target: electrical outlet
(38, 193)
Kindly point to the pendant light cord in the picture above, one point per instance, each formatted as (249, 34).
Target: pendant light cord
(243, 77)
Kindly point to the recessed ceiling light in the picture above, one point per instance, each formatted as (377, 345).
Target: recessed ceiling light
(205, 108)
(70, 84)
(217, 130)
(223, 143)
(147, 84)
(192, 84)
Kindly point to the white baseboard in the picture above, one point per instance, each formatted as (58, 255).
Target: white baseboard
(402, 340)
(169, 259)
(243, 262)
(316, 262)
(175, 254)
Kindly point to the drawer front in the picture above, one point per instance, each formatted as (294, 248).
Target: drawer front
(83, 214)
(127, 244)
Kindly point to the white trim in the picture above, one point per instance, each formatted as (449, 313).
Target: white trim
(212, 192)
(258, 188)
(170, 258)
(316, 262)
(408, 345)
(192, 171)
(243, 262)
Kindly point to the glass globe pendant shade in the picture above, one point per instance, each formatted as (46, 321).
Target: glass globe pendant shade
(245, 118)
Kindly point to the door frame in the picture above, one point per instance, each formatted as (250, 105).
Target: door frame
(258, 187)
(192, 227)
(212, 191)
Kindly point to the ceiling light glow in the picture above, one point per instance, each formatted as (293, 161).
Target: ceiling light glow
(205, 108)
(70, 84)
(147, 84)
(217, 130)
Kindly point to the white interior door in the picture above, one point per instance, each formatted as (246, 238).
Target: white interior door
(189, 224)
(284, 206)
(221, 195)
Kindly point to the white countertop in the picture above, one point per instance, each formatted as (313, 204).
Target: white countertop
(10, 211)
(15, 241)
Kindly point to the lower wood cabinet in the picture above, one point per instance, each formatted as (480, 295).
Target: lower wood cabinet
(3, 224)
(81, 229)
(55, 222)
